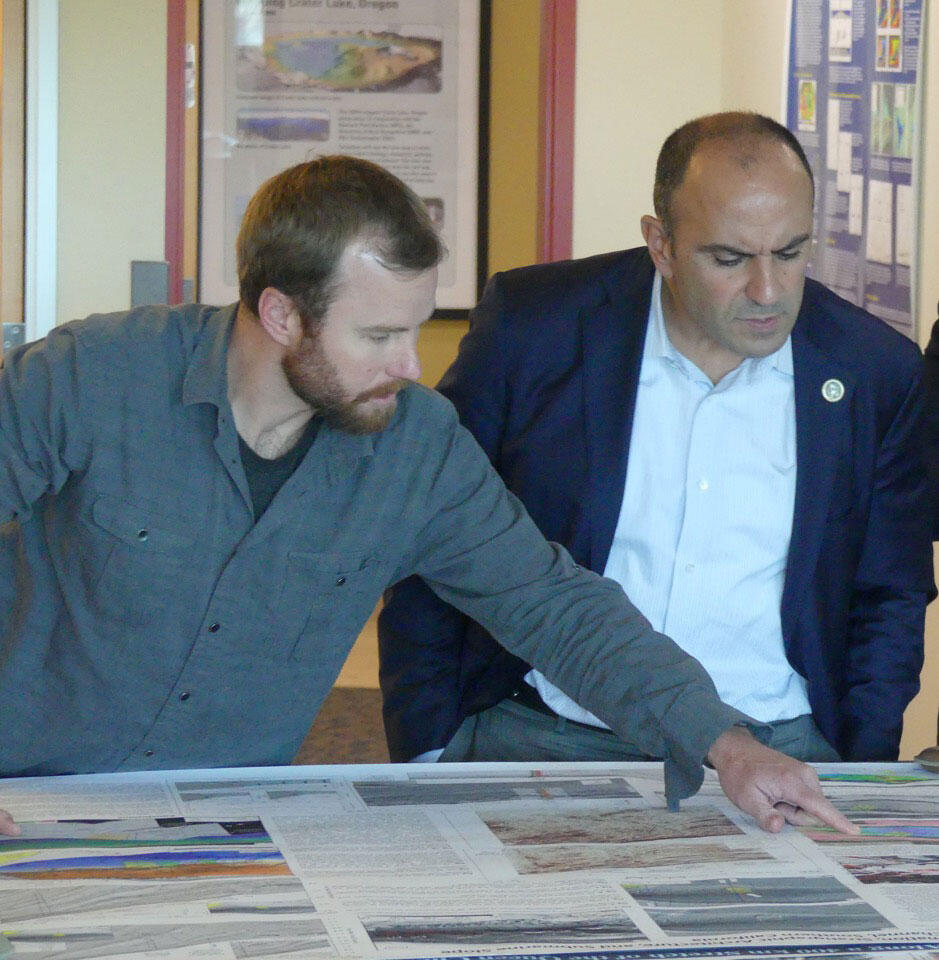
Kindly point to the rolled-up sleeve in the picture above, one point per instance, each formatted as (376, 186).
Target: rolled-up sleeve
(43, 435)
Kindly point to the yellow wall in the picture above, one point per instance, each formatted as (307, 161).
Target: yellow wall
(112, 149)
(513, 169)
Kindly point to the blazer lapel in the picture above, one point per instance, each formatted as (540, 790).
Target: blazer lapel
(824, 397)
(614, 333)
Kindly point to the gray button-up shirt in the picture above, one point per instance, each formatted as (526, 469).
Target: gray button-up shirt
(147, 621)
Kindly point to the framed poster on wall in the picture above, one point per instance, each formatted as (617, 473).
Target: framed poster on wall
(398, 82)
(854, 95)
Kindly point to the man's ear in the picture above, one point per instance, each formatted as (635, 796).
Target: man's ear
(658, 242)
(278, 316)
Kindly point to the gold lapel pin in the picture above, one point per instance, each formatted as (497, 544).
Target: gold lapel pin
(833, 390)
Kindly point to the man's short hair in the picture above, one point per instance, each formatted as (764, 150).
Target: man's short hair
(299, 223)
(679, 147)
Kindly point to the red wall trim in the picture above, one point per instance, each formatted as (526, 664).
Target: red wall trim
(556, 129)
(175, 143)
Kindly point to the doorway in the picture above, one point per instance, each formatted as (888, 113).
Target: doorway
(12, 87)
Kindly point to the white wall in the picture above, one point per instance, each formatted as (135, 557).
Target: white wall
(638, 77)
(112, 149)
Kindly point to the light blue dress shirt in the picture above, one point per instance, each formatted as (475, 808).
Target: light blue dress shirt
(703, 532)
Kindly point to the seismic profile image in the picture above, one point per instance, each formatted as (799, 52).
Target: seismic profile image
(874, 806)
(756, 905)
(396, 793)
(564, 857)
(341, 62)
(256, 939)
(255, 126)
(607, 826)
(258, 897)
(889, 868)
(484, 929)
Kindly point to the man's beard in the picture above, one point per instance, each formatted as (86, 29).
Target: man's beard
(314, 380)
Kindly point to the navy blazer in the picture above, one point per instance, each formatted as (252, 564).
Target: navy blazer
(932, 422)
(546, 380)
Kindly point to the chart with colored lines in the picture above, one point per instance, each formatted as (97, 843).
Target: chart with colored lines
(883, 830)
(131, 849)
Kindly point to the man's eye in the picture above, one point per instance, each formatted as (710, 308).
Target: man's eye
(728, 261)
(378, 337)
(789, 254)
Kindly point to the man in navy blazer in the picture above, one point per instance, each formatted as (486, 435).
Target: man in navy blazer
(547, 380)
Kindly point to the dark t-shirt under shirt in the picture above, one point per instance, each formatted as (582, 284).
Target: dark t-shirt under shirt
(265, 477)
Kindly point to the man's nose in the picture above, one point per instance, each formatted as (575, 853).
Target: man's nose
(763, 284)
(405, 364)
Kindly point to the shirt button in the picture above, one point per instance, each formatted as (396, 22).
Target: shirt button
(689, 568)
(148, 753)
(340, 581)
(214, 627)
(703, 483)
(142, 534)
(185, 696)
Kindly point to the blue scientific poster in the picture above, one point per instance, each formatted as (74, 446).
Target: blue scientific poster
(854, 100)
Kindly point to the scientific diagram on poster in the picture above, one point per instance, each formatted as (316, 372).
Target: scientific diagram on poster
(854, 102)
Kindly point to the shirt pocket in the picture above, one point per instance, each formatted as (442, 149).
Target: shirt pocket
(325, 601)
(135, 559)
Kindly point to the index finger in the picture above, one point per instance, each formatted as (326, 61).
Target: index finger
(815, 804)
(8, 825)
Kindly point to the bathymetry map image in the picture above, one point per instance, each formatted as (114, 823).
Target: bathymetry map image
(342, 62)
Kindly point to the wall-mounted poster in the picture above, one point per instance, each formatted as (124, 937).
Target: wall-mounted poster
(854, 103)
(397, 82)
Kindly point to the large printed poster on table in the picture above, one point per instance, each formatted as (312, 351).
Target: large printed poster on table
(393, 81)
(854, 98)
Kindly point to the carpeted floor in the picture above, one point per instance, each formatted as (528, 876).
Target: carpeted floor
(348, 729)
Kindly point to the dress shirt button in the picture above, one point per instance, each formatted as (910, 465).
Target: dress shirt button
(703, 483)
(185, 696)
(142, 534)
(148, 753)
(340, 581)
(214, 627)
(689, 568)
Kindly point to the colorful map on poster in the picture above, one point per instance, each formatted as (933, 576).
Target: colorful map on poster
(342, 61)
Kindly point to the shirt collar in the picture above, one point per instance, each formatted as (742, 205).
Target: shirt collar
(659, 346)
(206, 379)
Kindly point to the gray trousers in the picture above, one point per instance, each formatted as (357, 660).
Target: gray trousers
(514, 731)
